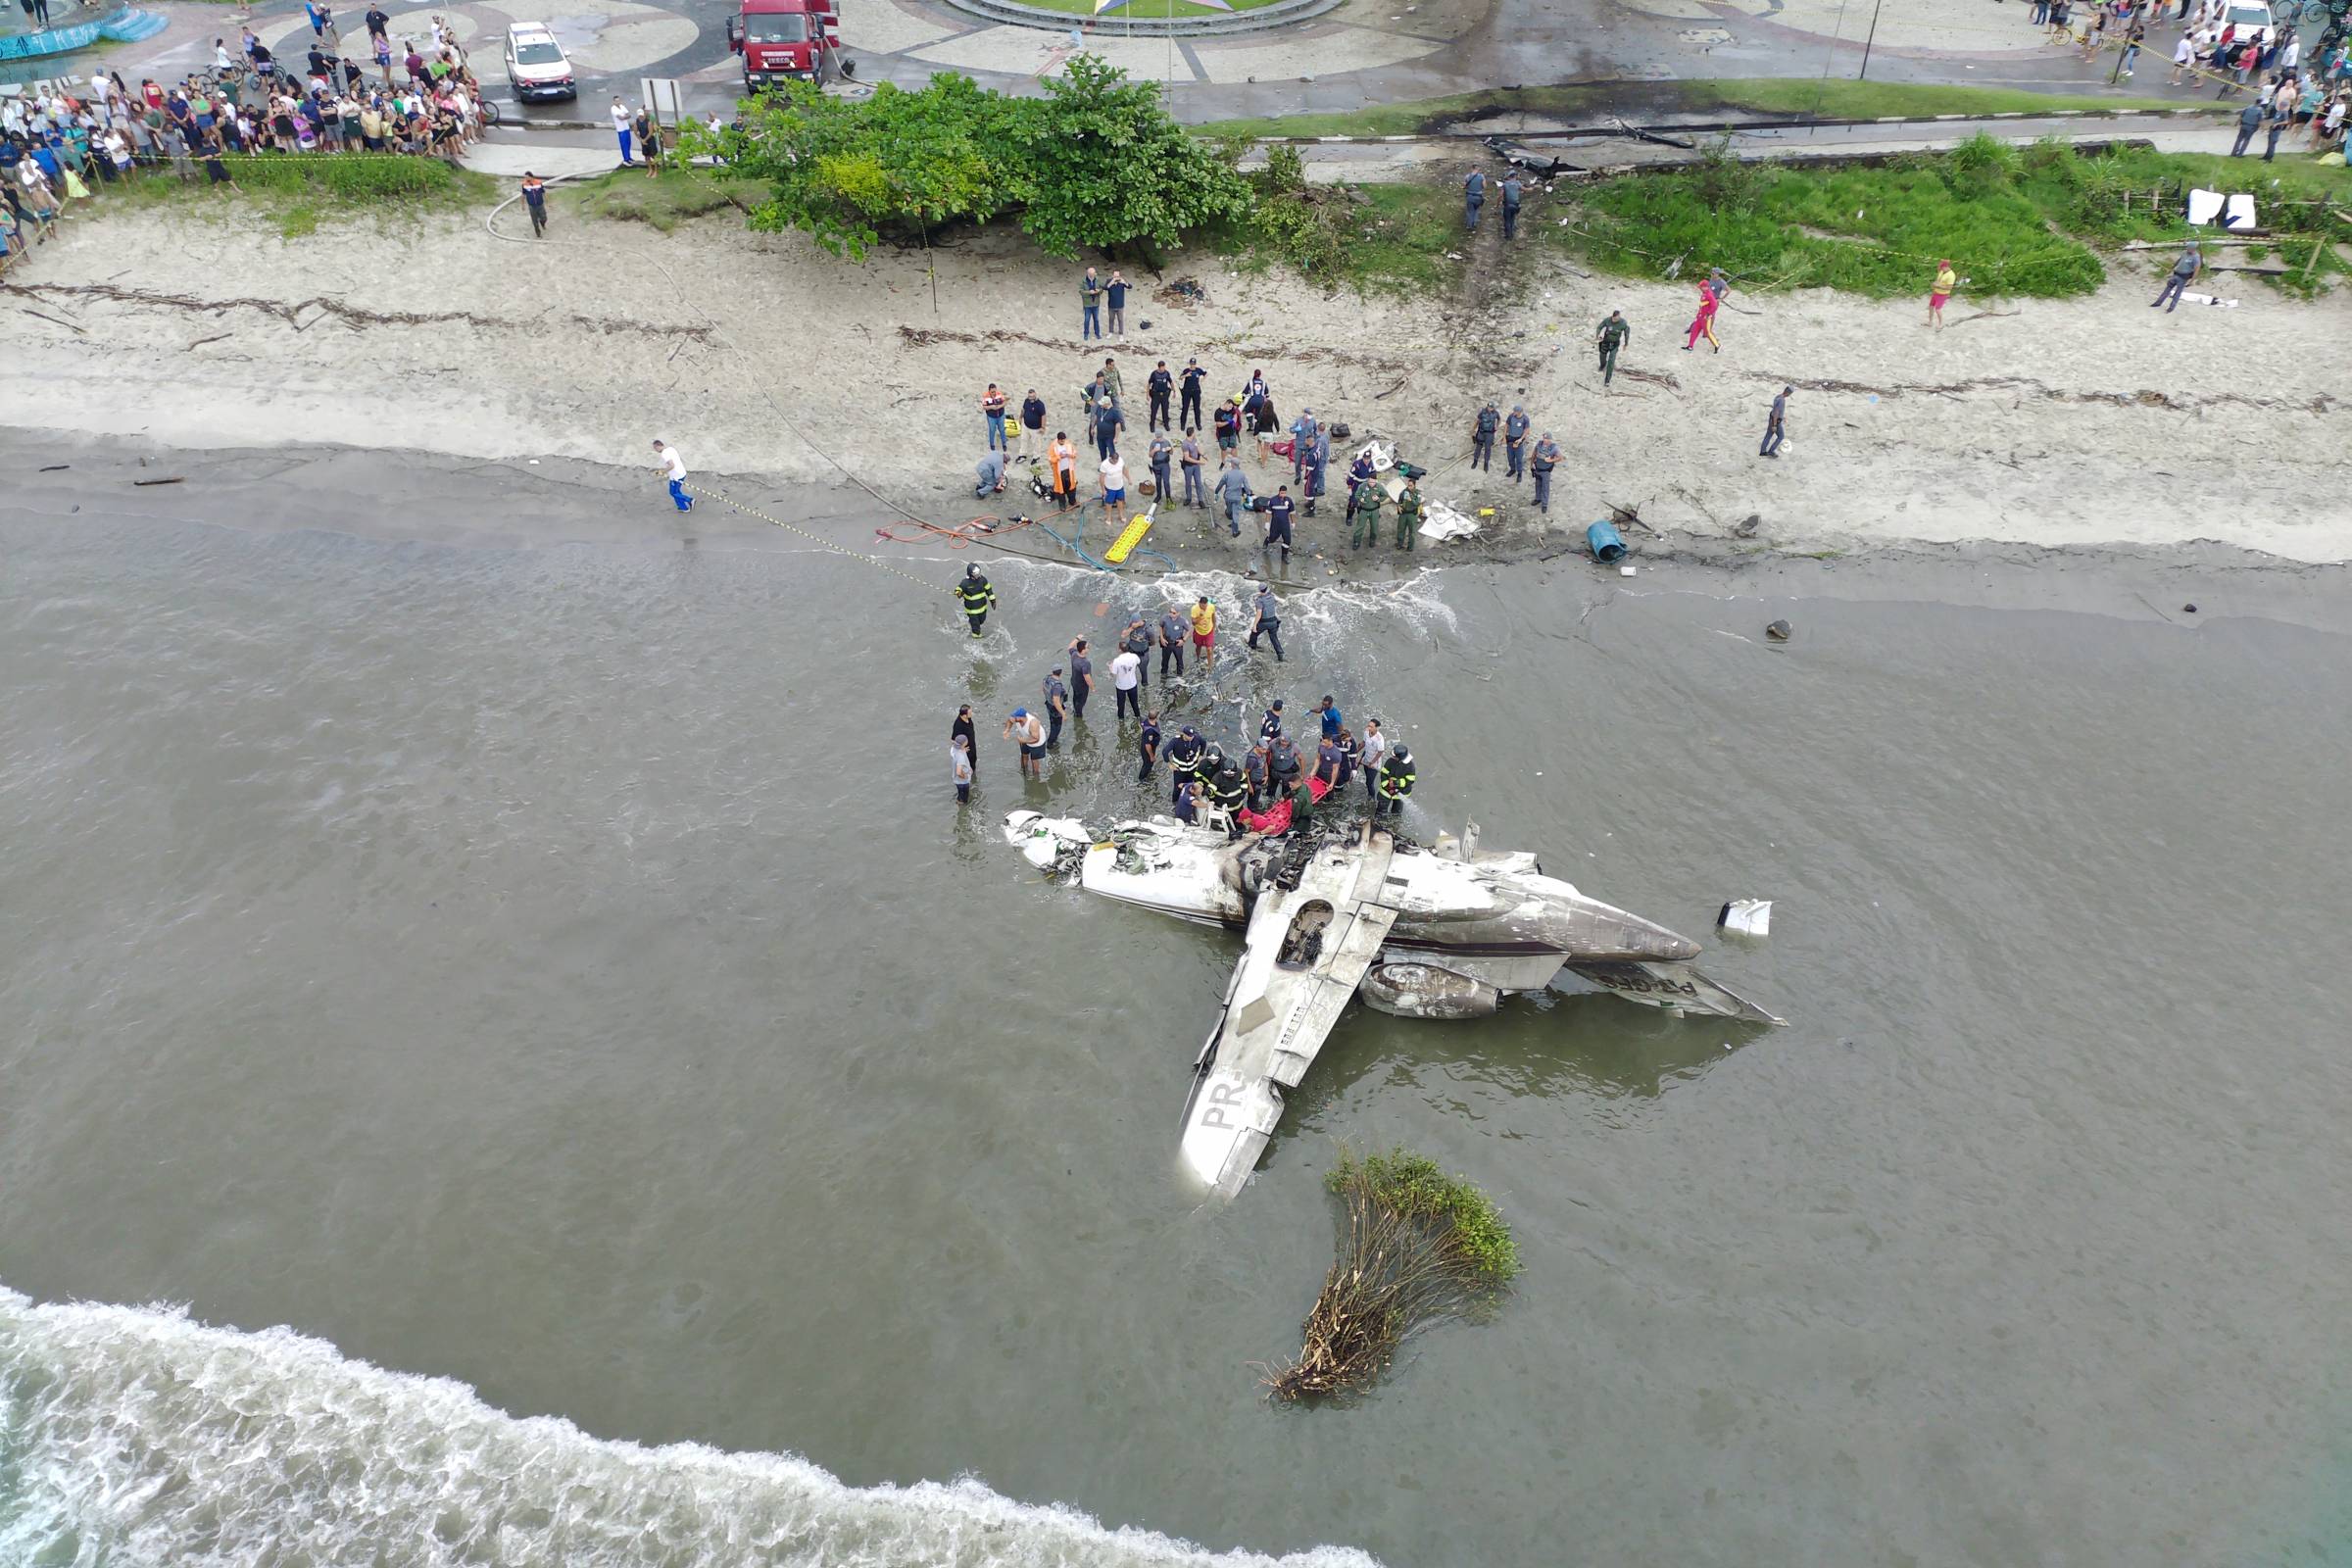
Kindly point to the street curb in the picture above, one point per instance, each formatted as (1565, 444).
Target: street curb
(1479, 134)
(1281, 14)
(1684, 128)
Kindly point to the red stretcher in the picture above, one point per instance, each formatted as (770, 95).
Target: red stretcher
(1276, 818)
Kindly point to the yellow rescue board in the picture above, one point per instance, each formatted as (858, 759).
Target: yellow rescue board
(1128, 540)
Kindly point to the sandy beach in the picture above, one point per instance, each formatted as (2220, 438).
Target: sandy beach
(2089, 422)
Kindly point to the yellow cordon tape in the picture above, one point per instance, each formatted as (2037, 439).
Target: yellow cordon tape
(701, 494)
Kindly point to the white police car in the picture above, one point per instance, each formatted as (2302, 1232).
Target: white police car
(535, 63)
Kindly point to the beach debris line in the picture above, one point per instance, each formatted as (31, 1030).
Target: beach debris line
(1416, 1246)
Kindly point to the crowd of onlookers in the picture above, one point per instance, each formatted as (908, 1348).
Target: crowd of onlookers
(65, 141)
(2312, 94)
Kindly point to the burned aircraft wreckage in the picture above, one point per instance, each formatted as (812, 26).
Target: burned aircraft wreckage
(1443, 932)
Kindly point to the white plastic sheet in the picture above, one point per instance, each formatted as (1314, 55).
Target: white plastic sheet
(1442, 522)
(2234, 211)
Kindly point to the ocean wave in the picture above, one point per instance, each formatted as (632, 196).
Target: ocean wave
(133, 1435)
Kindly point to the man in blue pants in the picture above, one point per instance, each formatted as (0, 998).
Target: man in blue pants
(1233, 489)
(2249, 121)
(1548, 458)
(2185, 272)
(673, 468)
(1090, 306)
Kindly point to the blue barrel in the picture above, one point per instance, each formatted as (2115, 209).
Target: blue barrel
(1603, 541)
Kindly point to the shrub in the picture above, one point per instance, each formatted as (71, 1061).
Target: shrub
(1417, 1247)
(1097, 162)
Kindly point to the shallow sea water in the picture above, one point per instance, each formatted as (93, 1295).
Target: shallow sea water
(564, 975)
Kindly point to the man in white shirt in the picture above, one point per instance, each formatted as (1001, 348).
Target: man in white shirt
(673, 466)
(1115, 488)
(621, 128)
(1126, 676)
(1025, 727)
(1376, 752)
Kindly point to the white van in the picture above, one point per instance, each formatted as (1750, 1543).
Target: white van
(535, 63)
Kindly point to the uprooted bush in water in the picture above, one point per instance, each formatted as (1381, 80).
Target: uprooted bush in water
(1416, 1246)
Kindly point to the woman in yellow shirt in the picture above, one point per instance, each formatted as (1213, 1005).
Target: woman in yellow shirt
(1946, 281)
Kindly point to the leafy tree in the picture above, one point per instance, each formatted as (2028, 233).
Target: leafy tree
(1097, 163)
(1109, 167)
(848, 173)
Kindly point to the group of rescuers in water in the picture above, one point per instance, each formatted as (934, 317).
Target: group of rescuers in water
(1251, 791)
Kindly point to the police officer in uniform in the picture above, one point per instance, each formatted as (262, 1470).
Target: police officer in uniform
(1395, 781)
(1481, 436)
(1609, 340)
(1278, 524)
(1255, 768)
(1269, 621)
(1164, 454)
(1138, 642)
(1283, 767)
(1173, 629)
(1187, 398)
(1365, 530)
(1157, 387)
(1548, 458)
(1514, 441)
(1147, 748)
(1408, 513)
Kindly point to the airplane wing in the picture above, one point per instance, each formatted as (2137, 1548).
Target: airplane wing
(1676, 987)
(1311, 936)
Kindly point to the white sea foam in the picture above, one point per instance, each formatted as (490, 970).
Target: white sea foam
(131, 1436)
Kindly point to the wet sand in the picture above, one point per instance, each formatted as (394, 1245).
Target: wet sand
(2080, 422)
(517, 504)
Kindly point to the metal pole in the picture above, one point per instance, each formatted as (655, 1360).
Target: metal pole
(1864, 75)
(1829, 57)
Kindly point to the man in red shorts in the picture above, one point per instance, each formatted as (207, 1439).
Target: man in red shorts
(1204, 631)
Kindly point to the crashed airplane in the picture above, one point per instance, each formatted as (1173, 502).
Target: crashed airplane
(1424, 933)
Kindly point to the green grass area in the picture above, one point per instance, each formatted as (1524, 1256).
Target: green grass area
(1874, 100)
(298, 193)
(1398, 238)
(2013, 223)
(1408, 232)
(1416, 116)
(1795, 95)
(664, 200)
